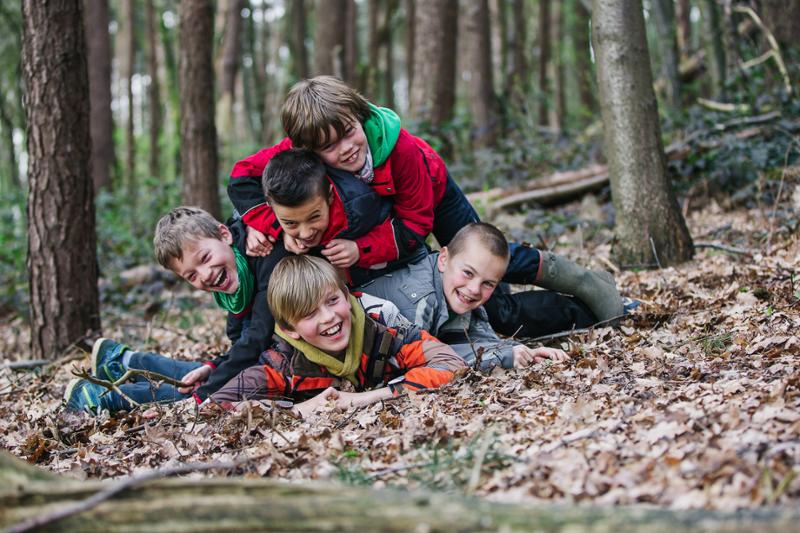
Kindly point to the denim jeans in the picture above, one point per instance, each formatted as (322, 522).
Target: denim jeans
(143, 390)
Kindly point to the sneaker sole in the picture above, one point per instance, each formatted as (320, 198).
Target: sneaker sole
(95, 351)
(70, 387)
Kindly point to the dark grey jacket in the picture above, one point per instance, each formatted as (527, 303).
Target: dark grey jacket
(417, 291)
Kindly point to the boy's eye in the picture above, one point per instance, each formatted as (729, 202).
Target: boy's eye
(332, 300)
(488, 284)
(467, 274)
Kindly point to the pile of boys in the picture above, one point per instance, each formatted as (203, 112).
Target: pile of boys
(331, 293)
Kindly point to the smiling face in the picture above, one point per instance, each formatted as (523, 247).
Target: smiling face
(328, 326)
(209, 264)
(348, 152)
(470, 277)
(306, 222)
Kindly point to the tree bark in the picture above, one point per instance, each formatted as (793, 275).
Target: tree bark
(584, 68)
(229, 66)
(250, 504)
(715, 49)
(410, 7)
(388, 57)
(154, 92)
(329, 37)
(482, 101)
(173, 100)
(198, 132)
(649, 226)
(544, 60)
(297, 40)
(372, 70)
(782, 17)
(683, 14)
(62, 260)
(517, 88)
(664, 15)
(128, 63)
(559, 111)
(272, 38)
(98, 52)
(433, 91)
(350, 70)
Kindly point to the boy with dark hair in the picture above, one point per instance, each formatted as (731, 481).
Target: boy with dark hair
(350, 134)
(326, 342)
(210, 256)
(444, 294)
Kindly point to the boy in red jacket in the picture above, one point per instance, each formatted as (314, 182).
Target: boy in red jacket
(350, 134)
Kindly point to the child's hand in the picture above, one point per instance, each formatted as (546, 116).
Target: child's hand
(524, 356)
(293, 245)
(195, 378)
(258, 244)
(303, 409)
(342, 253)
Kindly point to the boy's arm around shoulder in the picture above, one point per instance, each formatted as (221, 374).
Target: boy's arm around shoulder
(246, 193)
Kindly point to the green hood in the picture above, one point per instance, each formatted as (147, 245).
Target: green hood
(382, 129)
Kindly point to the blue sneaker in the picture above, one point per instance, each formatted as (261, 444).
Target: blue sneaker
(82, 395)
(107, 359)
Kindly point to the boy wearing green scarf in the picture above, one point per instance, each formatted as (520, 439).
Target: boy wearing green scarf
(210, 256)
(329, 348)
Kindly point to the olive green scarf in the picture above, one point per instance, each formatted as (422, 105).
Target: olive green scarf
(355, 348)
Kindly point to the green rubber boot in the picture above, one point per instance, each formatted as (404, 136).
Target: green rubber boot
(597, 289)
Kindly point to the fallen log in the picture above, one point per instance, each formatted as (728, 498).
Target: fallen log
(30, 498)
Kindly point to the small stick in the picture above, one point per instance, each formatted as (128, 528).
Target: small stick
(655, 253)
(729, 249)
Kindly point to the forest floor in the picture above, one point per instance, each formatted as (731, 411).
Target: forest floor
(694, 402)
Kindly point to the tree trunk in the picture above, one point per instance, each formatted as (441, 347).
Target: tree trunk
(482, 102)
(128, 62)
(154, 92)
(517, 87)
(559, 111)
(173, 100)
(433, 91)
(664, 15)
(229, 65)
(350, 70)
(411, 18)
(498, 22)
(62, 260)
(584, 68)
(388, 57)
(782, 17)
(715, 49)
(198, 132)
(329, 37)
(98, 52)
(249, 504)
(297, 39)
(372, 70)
(649, 226)
(544, 59)
(683, 14)
(272, 37)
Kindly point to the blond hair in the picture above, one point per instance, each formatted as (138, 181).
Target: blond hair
(177, 228)
(297, 286)
(314, 105)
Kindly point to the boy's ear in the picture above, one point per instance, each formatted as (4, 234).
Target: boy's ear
(227, 237)
(292, 333)
(441, 262)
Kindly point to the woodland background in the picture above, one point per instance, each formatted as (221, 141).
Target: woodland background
(693, 403)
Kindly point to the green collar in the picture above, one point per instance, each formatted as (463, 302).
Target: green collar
(237, 302)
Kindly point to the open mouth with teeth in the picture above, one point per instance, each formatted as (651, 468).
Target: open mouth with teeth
(223, 281)
(332, 331)
(466, 300)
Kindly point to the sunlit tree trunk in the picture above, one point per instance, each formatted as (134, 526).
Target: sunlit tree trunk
(198, 133)
(297, 39)
(544, 60)
(62, 260)
(154, 92)
(715, 48)
(664, 16)
(478, 50)
(683, 15)
(649, 226)
(98, 52)
(433, 91)
(329, 37)
(584, 69)
(229, 66)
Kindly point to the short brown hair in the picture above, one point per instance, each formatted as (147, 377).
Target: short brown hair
(491, 238)
(297, 286)
(294, 177)
(314, 105)
(178, 227)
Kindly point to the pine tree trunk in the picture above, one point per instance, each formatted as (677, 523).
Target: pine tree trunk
(198, 132)
(154, 92)
(478, 63)
(715, 49)
(229, 65)
(664, 15)
(584, 68)
(128, 56)
(62, 260)
(98, 52)
(297, 39)
(329, 37)
(544, 59)
(648, 219)
(683, 14)
(517, 81)
(433, 91)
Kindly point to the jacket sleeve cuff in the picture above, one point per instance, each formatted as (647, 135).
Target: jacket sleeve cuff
(211, 364)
